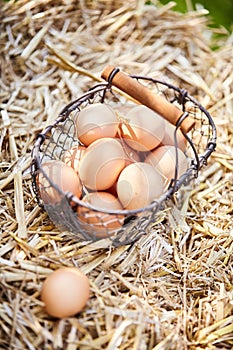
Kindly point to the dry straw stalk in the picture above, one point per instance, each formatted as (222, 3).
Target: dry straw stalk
(173, 289)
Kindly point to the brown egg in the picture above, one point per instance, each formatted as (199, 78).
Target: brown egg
(96, 121)
(73, 155)
(168, 139)
(65, 292)
(164, 159)
(138, 185)
(100, 224)
(131, 155)
(143, 129)
(61, 175)
(101, 164)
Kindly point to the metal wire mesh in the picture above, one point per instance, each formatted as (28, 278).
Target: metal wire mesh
(121, 226)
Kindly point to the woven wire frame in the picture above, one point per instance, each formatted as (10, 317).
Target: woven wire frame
(121, 226)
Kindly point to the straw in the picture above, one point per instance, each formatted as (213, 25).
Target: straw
(172, 289)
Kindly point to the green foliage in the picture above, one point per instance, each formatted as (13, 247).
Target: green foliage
(221, 11)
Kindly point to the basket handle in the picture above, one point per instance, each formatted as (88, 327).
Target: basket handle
(146, 97)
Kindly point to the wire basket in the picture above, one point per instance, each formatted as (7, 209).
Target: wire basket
(120, 89)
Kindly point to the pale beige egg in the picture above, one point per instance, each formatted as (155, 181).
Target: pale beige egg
(131, 155)
(73, 155)
(96, 121)
(169, 137)
(142, 129)
(138, 185)
(65, 292)
(100, 224)
(62, 176)
(101, 164)
(163, 158)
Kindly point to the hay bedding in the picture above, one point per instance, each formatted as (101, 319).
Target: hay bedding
(173, 288)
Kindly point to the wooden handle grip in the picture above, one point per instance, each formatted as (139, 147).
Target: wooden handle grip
(148, 98)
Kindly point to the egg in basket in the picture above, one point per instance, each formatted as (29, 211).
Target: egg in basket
(114, 157)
